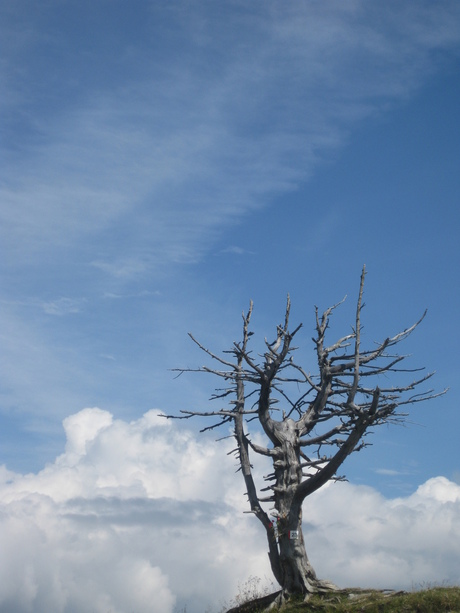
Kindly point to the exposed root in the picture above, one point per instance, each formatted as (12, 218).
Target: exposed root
(264, 603)
(274, 602)
(277, 603)
(323, 585)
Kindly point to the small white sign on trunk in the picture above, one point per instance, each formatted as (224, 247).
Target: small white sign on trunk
(293, 535)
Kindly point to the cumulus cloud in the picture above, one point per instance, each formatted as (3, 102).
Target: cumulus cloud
(396, 543)
(132, 516)
(147, 516)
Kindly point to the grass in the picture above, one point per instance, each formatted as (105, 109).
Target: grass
(434, 600)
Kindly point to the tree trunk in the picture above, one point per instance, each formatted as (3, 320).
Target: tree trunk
(297, 574)
(294, 571)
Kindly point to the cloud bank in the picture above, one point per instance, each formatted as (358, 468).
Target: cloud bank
(147, 516)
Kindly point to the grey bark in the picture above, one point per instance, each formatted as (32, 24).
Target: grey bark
(329, 417)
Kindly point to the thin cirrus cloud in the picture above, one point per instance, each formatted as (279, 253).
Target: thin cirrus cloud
(185, 147)
(63, 306)
(156, 513)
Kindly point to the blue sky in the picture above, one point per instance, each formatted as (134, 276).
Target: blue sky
(164, 163)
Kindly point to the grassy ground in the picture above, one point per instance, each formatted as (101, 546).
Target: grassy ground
(434, 600)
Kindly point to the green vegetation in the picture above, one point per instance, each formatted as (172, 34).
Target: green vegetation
(433, 600)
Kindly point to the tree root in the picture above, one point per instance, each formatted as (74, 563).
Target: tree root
(323, 586)
(273, 602)
(264, 603)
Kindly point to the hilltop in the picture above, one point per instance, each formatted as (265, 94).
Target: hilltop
(355, 600)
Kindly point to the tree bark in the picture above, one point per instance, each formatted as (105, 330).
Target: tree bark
(298, 576)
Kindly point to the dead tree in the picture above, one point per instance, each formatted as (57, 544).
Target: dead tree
(309, 440)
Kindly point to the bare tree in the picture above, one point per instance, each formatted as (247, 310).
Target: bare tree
(309, 440)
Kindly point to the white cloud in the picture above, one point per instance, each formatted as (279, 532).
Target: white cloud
(147, 516)
(81, 429)
(133, 504)
(53, 563)
(235, 250)
(390, 472)
(386, 543)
